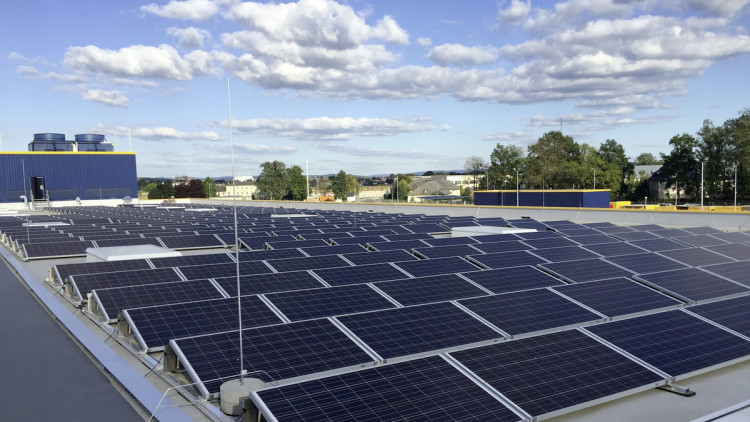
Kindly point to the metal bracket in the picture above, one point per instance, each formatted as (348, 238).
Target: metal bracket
(677, 389)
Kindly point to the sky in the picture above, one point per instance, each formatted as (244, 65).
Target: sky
(366, 87)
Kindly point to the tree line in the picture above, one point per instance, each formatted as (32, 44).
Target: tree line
(277, 181)
(557, 161)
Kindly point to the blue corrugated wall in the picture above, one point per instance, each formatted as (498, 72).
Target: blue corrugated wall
(548, 198)
(98, 175)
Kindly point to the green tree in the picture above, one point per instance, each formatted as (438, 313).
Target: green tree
(504, 161)
(402, 189)
(149, 187)
(210, 187)
(549, 161)
(166, 189)
(646, 159)
(339, 185)
(682, 166)
(615, 168)
(297, 183)
(738, 132)
(272, 179)
(475, 165)
(155, 193)
(352, 184)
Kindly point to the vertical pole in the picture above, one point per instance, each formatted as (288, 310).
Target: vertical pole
(594, 178)
(397, 189)
(517, 204)
(236, 240)
(735, 187)
(701, 185)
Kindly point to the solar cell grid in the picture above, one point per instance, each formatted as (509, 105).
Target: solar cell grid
(703, 230)
(693, 284)
(506, 259)
(595, 239)
(276, 254)
(700, 240)
(542, 234)
(328, 301)
(85, 283)
(417, 329)
(113, 301)
(674, 341)
(358, 240)
(506, 246)
(657, 245)
(565, 253)
(175, 261)
(617, 296)
(427, 389)
(550, 242)
(646, 262)
(63, 271)
(436, 266)
(446, 241)
(267, 283)
(696, 257)
(512, 279)
(291, 244)
(194, 272)
(191, 242)
(732, 237)
(613, 229)
(614, 249)
(738, 251)
(310, 263)
(446, 251)
(359, 274)
(439, 288)
(670, 233)
(585, 270)
(731, 313)
(398, 244)
(549, 373)
(573, 233)
(529, 311)
(156, 325)
(406, 236)
(56, 249)
(271, 353)
(635, 235)
(333, 250)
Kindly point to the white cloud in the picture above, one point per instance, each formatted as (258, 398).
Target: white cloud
(33, 73)
(462, 55)
(724, 8)
(424, 41)
(110, 98)
(515, 11)
(168, 133)
(265, 149)
(190, 37)
(377, 152)
(327, 128)
(162, 62)
(506, 137)
(196, 10)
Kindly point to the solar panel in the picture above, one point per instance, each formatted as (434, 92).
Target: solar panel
(670, 233)
(512, 279)
(331, 250)
(732, 237)
(703, 230)
(291, 244)
(359, 274)
(446, 241)
(614, 249)
(696, 257)
(507, 237)
(646, 227)
(612, 229)
(529, 311)
(63, 271)
(425, 267)
(359, 240)
(268, 283)
(506, 259)
(675, 342)
(194, 272)
(175, 261)
(738, 251)
(112, 301)
(425, 228)
(580, 232)
(276, 254)
(398, 244)
(270, 353)
(437, 288)
(428, 389)
(506, 246)
(618, 296)
(731, 313)
(445, 251)
(259, 242)
(658, 245)
(642, 263)
(546, 374)
(417, 329)
(154, 326)
(84, 283)
(191, 242)
(565, 253)
(735, 271)
(635, 235)
(362, 258)
(311, 263)
(585, 270)
(549, 242)
(67, 248)
(543, 234)
(692, 284)
(406, 236)
(595, 239)
(700, 240)
(328, 301)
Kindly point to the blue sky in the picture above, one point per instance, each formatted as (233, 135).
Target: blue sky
(366, 87)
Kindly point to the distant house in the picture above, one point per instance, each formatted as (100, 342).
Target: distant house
(436, 185)
(244, 190)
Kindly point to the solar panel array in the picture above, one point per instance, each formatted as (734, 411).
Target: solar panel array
(437, 327)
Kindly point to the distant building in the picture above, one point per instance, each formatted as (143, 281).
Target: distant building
(242, 190)
(436, 185)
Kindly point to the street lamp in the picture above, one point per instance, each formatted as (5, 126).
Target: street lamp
(702, 185)
(516, 186)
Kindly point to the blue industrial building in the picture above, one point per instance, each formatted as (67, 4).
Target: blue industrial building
(58, 170)
(566, 198)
